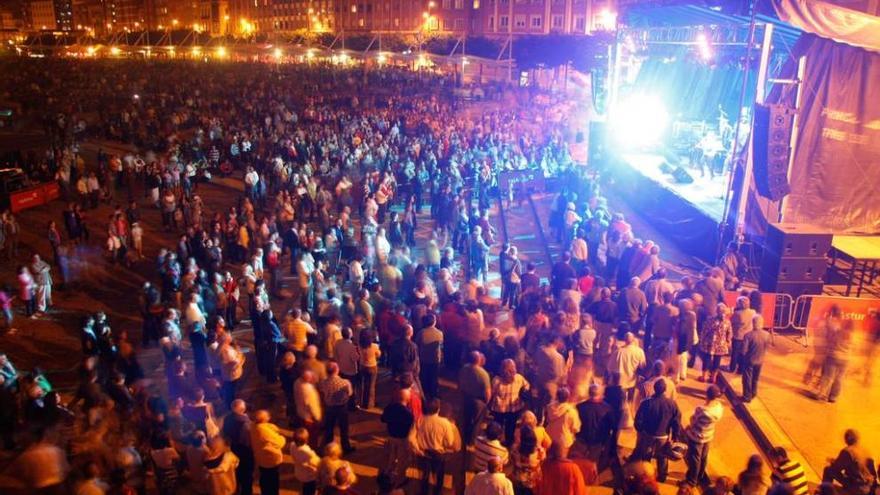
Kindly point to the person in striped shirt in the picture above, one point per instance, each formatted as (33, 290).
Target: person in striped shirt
(488, 446)
(700, 433)
(788, 472)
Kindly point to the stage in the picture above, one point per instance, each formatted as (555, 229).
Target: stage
(687, 213)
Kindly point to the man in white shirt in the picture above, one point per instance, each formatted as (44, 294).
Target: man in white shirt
(628, 360)
(305, 461)
(251, 179)
(308, 402)
(435, 437)
(492, 481)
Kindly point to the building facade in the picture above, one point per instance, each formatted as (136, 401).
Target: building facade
(541, 17)
(493, 18)
(42, 14)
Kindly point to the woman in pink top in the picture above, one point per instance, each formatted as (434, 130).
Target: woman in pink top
(26, 289)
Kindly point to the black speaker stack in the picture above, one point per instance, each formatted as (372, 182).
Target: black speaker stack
(771, 150)
(794, 261)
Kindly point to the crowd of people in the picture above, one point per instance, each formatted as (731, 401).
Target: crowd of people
(358, 254)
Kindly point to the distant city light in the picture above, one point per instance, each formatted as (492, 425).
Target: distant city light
(114, 50)
(639, 121)
(91, 50)
(381, 58)
(221, 51)
(608, 19)
(196, 51)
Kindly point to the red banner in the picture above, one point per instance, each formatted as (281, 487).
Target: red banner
(768, 305)
(51, 191)
(28, 198)
(855, 309)
(34, 196)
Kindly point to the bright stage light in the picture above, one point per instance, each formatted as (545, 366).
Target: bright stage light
(278, 53)
(704, 47)
(639, 121)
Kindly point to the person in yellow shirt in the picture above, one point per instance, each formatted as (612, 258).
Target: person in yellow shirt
(268, 444)
(297, 332)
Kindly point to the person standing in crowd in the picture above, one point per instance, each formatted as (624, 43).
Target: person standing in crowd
(305, 462)
(492, 481)
(370, 353)
(307, 399)
(475, 388)
(628, 360)
(399, 421)
(754, 350)
(268, 445)
(559, 475)
(506, 404)
(42, 274)
(657, 420)
(700, 433)
(435, 439)
(336, 392)
(27, 291)
(837, 355)
(715, 343)
(430, 345)
(236, 431)
(742, 322)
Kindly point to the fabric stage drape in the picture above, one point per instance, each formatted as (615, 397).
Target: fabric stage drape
(835, 175)
(831, 21)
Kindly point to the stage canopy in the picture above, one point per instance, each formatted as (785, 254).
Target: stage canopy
(831, 21)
